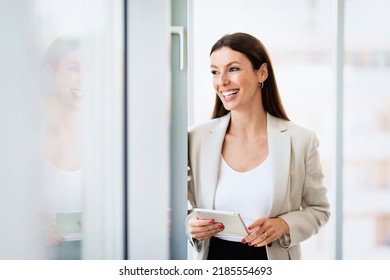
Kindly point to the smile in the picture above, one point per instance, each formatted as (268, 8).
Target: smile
(229, 93)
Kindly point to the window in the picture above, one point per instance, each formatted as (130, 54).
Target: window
(300, 38)
(64, 114)
(367, 130)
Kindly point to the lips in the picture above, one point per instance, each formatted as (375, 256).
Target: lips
(229, 93)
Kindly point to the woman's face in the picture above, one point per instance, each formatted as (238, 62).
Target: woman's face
(67, 80)
(234, 79)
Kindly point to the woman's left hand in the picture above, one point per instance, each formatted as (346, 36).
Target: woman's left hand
(265, 230)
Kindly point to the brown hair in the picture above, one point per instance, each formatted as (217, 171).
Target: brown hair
(255, 51)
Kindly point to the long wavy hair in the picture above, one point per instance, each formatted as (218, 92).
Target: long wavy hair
(255, 51)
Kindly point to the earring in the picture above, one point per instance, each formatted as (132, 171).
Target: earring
(261, 85)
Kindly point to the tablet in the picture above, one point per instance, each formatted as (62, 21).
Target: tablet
(69, 225)
(234, 225)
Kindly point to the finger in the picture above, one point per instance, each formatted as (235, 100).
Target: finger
(202, 233)
(253, 233)
(200, 222)
(257, 223)
(54, 239)
(257, 235)
(261, 240)
(205, 234)
(203, 230)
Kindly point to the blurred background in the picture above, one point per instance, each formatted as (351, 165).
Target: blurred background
(96, 98)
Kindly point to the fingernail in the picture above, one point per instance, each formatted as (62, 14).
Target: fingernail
(249, 228)
(249, 244)
(220, 227)
(243, 241)
(211, 222)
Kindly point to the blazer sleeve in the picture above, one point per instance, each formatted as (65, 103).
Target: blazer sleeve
(196, 244)
(314, 210)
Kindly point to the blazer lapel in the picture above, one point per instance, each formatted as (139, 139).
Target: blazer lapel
(211, 160)
(279, 145)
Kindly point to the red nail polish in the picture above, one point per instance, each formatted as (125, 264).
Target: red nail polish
(243, 241)
(250, 244)
(249, 228)
(211, 222)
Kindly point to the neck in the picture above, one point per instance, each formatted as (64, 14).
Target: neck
(59, 120)
(62, 139)
(248, 123)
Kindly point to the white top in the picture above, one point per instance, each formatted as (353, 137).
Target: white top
(248, 193)
(63, 189)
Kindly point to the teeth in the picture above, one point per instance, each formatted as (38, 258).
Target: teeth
(229, 93)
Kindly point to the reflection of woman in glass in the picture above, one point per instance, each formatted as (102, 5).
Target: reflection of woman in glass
(59, 148)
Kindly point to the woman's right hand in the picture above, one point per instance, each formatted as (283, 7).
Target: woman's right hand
(52, 235)
(203, 229)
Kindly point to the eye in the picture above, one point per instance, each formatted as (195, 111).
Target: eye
(232, 69)
(214, 72)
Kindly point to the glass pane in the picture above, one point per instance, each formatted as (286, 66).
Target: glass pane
(297, 35)
(51, 108)
(367, 130)
(58, 150)
(18, 189)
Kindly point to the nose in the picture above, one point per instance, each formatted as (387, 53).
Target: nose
(223, 80)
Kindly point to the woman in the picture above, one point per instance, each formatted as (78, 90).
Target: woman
(251, 159)
(59, 148)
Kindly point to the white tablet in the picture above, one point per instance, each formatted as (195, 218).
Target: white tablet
(69, 225)
(232, 221)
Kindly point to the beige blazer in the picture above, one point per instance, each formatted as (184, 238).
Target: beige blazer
(299, 195)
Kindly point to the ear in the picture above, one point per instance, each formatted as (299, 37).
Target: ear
(262, 73)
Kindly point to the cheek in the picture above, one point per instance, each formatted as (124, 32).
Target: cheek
(74, 78)
(215, 84)
(68, 77)
(251, 84)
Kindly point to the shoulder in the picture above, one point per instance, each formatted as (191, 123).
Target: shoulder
(296, 130)
(302, 138)
(204, 126)
(208, 126)
(298, 133)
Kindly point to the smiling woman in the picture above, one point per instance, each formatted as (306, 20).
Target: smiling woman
(59, 149)
(255, 60)
(250, 159)
(235, 81)
(60, 115)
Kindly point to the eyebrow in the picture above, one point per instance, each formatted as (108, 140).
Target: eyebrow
(227, 65)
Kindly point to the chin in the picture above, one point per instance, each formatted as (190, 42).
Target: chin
(228, 107)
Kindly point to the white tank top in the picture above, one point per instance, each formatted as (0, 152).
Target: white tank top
(248, 193)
